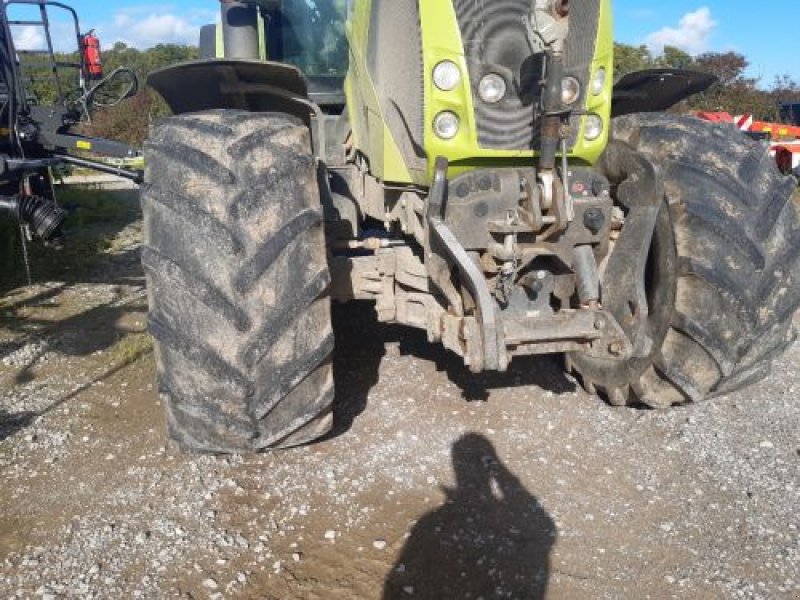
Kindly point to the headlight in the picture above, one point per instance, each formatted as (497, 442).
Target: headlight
(446, 75)
(593, 128)
(446, 125)
(599, 82)
(570, 90)
(492, 88)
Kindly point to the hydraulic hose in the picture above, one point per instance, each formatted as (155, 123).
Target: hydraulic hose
(44, 218)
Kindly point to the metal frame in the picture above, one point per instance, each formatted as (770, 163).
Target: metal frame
(39, 136)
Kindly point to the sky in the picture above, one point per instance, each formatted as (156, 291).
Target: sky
(693, 25)
(766, 39)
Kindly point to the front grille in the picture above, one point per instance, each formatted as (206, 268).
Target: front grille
(494, 35)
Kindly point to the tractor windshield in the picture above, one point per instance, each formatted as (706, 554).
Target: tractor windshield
(310, 34)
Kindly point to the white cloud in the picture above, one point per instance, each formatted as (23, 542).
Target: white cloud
(146, 26)
(163, 28)
(692, 34)
(29, 37)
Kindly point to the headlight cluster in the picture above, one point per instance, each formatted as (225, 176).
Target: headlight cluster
(492, 88)
(599, 81)
(570, 91)
(594, 126)
(446, 77)
(446, 125)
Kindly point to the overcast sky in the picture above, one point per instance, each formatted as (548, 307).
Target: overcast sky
(720, 25)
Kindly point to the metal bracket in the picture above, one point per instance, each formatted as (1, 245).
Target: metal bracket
(491, 354)
(641, 192)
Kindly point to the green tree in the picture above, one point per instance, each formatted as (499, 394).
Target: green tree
(675, 58)
(734, 92)
(628, 59)
(129, 121)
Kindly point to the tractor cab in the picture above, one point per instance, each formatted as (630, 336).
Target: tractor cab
(306, 34)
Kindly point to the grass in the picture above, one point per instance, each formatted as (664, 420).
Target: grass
(95, 217)
(131, 348)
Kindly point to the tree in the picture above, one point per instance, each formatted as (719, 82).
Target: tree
(676, 58)
(734, 91)
(129, 121)
(628, 59)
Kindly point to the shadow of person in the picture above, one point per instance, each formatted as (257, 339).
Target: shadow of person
(491, 538)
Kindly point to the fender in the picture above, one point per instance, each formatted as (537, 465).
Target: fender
(251, 85)
(656, 90)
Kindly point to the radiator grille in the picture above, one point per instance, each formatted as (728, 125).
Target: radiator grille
(494, 35)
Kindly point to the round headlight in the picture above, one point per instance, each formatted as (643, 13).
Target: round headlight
(492, 88)
(446, 125)
(599, 82)
(593, 128)
(570, 90)
(446, 75)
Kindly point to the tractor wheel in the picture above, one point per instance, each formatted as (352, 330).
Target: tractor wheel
(723, 276)
(237, 281)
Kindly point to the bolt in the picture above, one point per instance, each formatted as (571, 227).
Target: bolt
(600, 323)
(616, 348)
(485, 183)
(593, 220)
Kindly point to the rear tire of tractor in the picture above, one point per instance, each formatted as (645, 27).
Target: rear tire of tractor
(237, 281)
(724, 269)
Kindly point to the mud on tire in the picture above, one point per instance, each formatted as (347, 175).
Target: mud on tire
(726, 298)
(237, 281)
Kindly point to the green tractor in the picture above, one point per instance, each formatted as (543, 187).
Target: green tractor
(473, 169)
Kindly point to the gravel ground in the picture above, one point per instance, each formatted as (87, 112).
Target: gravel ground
(436, 484)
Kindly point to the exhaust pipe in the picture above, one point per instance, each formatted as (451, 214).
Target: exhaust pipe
(44, 218)
(240, 30)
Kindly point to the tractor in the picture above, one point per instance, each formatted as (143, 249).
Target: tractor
(474, 170)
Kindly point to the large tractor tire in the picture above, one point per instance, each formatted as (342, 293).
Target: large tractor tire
(723, 275)
(237, 281)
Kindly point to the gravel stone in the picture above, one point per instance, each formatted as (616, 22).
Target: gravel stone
(516, 481)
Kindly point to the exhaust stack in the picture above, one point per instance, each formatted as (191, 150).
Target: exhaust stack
(240, 30)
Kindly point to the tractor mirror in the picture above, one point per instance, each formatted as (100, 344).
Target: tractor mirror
(118, 86)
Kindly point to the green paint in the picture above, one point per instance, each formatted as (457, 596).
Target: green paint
(441, 40)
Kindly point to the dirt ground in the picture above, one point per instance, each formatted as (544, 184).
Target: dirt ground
(436, 484)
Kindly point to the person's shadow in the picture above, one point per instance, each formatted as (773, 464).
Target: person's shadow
(491, 538)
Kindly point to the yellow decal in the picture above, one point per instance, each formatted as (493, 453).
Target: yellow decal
(83, 145)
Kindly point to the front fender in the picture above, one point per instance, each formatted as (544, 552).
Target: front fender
(251, 85)
(655, 90)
